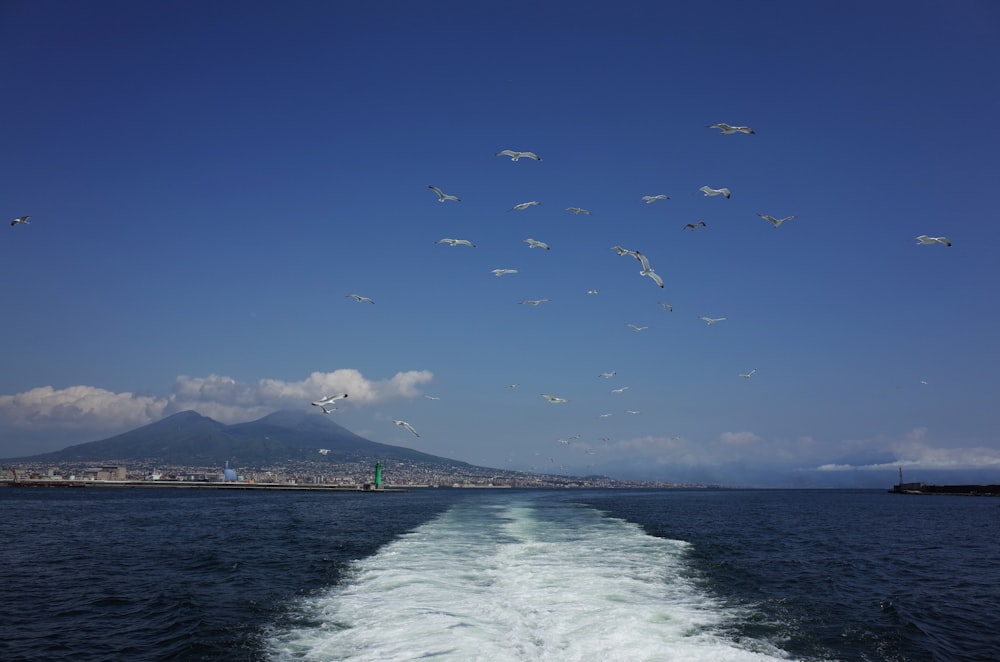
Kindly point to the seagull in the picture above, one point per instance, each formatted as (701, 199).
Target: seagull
(619, 390)
(501, 272)
(631, 411)
(330, 398)
(533, 302)
(608, 375)
(635, 328)
(591, 292)
(20, 220)
(748, 375)
(666, 306)
(776, 222)
(603, 415)
(404, 424)
(711, 320)
(431, 397)
(324, 451)
(922, 239)
(514, 156)
(709, 191)
(359, 298)
(442, 196)
(652, 274)
(524, 205)
(695, 226)
(923, 381)
(578, 210)
(455, 242)
(512, 385)
(553, 399)
(534, 243)
(727, 130)
(636, 254)
(650, 199)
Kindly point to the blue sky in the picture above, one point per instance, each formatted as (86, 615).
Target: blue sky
(207, 182)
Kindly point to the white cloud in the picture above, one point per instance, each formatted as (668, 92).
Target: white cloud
(738, 438)
(96, 410)
(916, 451)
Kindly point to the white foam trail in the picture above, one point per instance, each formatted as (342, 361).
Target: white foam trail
(528, 580)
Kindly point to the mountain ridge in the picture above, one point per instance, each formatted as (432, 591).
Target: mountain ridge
(188, 438)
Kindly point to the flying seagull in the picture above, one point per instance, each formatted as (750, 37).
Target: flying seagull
(359, 298)
(636, 254)
(330, 398)
(20, 220)
(695, 226)
(650, 199)
(709, 192)
(711, 320)
(553, 399)
(404, 424)
(578, 210)
(652, 274)
(635, 328)
(666, 306)
(324, 451)
(455, 242)
(431, 397)
(608, 375)
(619, 390)
(533, 302)
(442, 196)
(776, 222)
(514, 156)
(534, 243)
(727, 129)
(591, 292)
(748, 375)
(521, 206)
(501, 272)
(925, 240)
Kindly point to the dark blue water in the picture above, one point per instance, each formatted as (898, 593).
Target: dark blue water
(130, 574)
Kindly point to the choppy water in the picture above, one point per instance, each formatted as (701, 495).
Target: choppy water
(101, 574)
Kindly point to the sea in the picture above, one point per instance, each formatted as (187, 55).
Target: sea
(498, 575)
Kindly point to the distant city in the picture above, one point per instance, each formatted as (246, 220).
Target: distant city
(306, 474)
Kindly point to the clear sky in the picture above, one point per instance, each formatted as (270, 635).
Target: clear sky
(208, 181)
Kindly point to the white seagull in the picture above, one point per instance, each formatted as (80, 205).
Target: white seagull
(695, 226)
(666, 306)
(455, 242)
(534, 243)
(431, 397)
(553, 399)
(591, 292)
(501, 272)
(359, 298)
(521, 206)
(727, 129)
(748, 375)
(711, 320)
(650, 199)
(608, 375)
(578, 210)
(404, 424)
(776, 222)
(709, 191)
(619, 390)
(635, 328)
(652, 274)
(20, 220)
(442, 196)
(636, 254)
(514, 156)
(330, 398)
(927, 241)
(324, 451)
(533, 302)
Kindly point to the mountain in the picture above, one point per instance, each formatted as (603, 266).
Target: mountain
(190, 439)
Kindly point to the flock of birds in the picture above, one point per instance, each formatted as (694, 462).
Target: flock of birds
(646, 269)
(327, 403)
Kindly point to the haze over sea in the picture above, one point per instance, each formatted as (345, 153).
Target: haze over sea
(100, 574)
